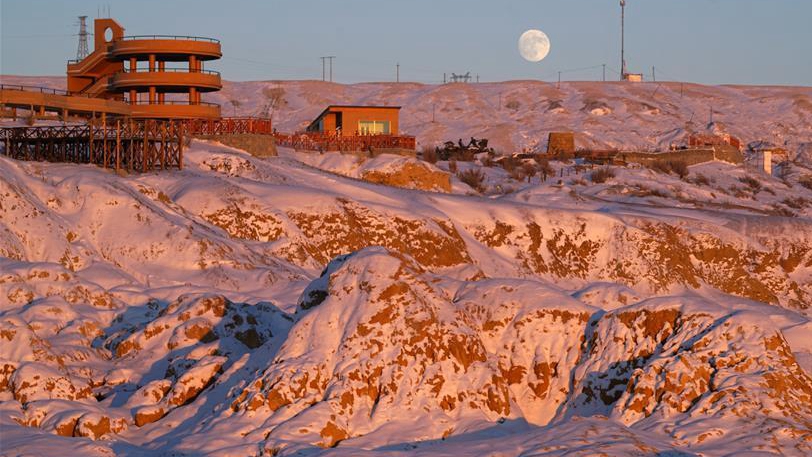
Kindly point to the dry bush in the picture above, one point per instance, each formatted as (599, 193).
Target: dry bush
(806, 181)
(701, 180)
(779, 210)
(517, 173)
(578, 181)
(529, 170)
(429, 154)
(452, 166)
(487, 161)
(474, 178)
(510, 163)
(645, 191)
(678, 167)
(544, 168)
(751, 182)
(796, 202)
(513, 105)
(600, 175)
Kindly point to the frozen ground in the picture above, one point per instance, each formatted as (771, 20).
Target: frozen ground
(283, 306)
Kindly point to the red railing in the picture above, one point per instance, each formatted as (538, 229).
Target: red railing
(229, 126)
(310, 141)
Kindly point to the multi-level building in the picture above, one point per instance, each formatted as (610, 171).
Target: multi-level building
(158, 76)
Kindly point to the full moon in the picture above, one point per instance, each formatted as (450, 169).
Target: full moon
(534, 45)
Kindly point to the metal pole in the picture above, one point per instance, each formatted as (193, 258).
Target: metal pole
(323, 68)
(622, 40)
(397, 77)
(559, 80)
(331, 67)
(653, 74)
(604, 72)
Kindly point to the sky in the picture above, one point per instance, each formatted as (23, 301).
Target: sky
(704, 41)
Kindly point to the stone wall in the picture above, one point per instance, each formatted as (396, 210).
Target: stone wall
(689, 156)
(254, 144)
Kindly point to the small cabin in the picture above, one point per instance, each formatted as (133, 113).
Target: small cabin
(357, 120)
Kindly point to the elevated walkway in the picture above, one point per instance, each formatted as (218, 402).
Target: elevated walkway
(44, 99)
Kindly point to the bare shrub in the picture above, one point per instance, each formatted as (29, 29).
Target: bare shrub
(660, 166)
(429, 154)
(796, 202)
(678, 167)
(517, 173)
(578, 181)
(452, 166)
(513, 105)
(529, 170)
(806, 181)
(600, 175)
(751, 182)
(474, 178)
(544, 167)
(509, 163)
(701, 180)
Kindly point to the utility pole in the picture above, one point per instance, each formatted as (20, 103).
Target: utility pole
(323, 67)
(82, 51)
(397, 78)
(477, 77)
(559, 80)
(653, 74)
(444, 80)
(604, 72)
(622, 40)
(331, 67)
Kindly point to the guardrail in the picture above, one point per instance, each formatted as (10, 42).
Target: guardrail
(42, 90)
(170, 70)
(172, 102)
(229, 126)
(168, 37)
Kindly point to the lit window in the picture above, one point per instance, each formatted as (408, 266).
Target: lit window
(373, 127)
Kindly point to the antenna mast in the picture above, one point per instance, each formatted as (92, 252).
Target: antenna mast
(622, 40)
(82, 51)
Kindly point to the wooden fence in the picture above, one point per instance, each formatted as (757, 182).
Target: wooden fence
(229, 126)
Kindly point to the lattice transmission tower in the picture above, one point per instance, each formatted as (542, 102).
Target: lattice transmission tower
(82, 51)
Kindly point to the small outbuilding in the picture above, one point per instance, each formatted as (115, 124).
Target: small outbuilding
(357, 120)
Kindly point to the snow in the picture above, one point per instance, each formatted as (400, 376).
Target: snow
(246, 306)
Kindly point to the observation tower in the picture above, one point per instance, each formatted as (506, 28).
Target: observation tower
(159, 76)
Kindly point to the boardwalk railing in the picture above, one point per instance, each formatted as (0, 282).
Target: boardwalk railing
(326, 142)
(124, 145)
(229, 126)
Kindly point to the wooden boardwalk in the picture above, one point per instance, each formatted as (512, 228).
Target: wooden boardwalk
(135, 146)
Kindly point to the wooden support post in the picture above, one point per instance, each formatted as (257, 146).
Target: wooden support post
(118, 145)
(180, 146)
(163, 146)
(104, 140)
(144, 151)
(90, 138)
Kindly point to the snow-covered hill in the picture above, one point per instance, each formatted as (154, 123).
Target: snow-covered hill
(518, 115)
(248, 306)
